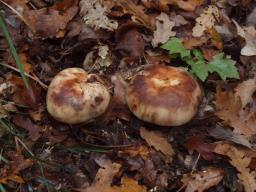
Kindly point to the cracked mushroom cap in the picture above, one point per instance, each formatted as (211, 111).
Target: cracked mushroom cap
(74, 96)
(163, 95)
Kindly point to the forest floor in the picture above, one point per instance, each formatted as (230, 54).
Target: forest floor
(116, 39)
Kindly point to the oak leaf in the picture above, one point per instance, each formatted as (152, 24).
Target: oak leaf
(202, 180)
(158, 141)
(206, 20)
(48, 22)
(163, 29)
(249, 34)
(229, 108)
(104, 177)
(95, 15)
(240, 160)
(245, 91)
(187, 5)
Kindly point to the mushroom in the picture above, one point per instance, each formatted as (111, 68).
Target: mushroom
(163, 95)
(74, 96)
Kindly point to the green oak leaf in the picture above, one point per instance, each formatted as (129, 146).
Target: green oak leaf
(199, 68)
(225, 67)
(175, 46)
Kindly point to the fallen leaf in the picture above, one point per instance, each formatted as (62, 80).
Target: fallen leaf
(137, 12)
(158, 141)
(15, 165)
(26, 123)
(204, 149)
(245, 91)
(95, 15)
(249, 34)
(163, 29)
(241, 162)
(229, 108)
(219, 132)
(142, 151)
(24, 60)
(192, 42)
(12, 177)
(47, 22)
(189, 5)
(130, 41)
(206, 20)
(104, 177)
(202, 180)
(129, 185)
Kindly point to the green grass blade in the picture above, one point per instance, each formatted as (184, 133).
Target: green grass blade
(2, 189)
(13, 50)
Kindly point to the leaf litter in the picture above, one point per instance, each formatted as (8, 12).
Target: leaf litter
(214, 41)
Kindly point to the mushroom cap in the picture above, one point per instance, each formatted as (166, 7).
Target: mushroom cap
(163, 95)
(74, 96)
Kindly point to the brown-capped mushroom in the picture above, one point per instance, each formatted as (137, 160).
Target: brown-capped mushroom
(74, 96)
(163, 95)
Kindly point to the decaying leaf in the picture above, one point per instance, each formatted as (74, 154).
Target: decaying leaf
(204, 149)
(141, 150)
(137, 12)
(202, 180)
(229, 108)
(99, 62)
(95, 15)
(158, 141)
(26, 123)
(245, 91)
(130, 41)
(241, 162)
(219, 132)
(48, 22)
(104, 177)
(163, 29)
(249, 34)
(16, 164)
(189, 5)
(206, 20)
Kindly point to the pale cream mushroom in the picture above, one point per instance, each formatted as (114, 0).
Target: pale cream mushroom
(163, 95)
(74, 96)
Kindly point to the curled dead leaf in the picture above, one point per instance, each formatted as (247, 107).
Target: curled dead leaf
(158, 141)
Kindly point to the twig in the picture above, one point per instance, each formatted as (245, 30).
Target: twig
(28, 75)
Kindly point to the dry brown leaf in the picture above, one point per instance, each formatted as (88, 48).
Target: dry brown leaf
(203, 180)
(249, 34)
(158, 141)
(187, 5)
(130, 41)
(245, 91)
(241, 162)
(192, 42)
(229, 108)
(49, 22)
(141, 150)
(163, 29)
(137, 12)
(104, 177)
(26, 65)
(26, 123)
(129, 185)
(95, 15)
(206, 20)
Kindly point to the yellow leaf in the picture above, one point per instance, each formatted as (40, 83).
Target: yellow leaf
(12, 177)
